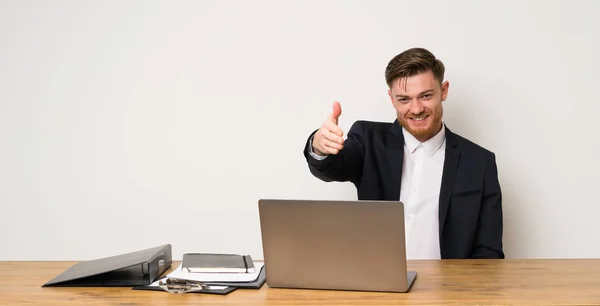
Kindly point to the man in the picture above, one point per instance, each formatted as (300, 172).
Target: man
(448, 184)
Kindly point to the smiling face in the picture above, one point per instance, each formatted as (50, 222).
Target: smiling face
(418, 103)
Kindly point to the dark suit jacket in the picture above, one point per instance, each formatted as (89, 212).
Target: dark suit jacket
(470, 205)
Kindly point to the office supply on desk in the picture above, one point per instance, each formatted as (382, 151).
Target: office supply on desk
(217, 263)
(181, 281)
(178, 286)
(250, 279)
(130, 269)
(338, 245)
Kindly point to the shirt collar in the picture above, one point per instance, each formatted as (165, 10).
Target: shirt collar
(431, 146)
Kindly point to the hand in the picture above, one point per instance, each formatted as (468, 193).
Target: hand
(328, 139)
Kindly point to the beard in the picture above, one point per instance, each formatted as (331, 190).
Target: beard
(425, 132)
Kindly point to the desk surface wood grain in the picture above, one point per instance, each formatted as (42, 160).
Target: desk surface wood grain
(445, 282)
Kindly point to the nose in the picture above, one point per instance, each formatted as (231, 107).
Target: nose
(416, 107)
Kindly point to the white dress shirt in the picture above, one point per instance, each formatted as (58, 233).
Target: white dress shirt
(420, 193)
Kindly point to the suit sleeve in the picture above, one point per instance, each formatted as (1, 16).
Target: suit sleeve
(346, 165)
(488, 242)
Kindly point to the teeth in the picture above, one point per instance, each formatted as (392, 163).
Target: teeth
(418, 119)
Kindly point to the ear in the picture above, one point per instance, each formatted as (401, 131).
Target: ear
(391, 96)
(445, 86)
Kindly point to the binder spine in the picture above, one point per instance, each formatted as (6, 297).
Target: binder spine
(159, 264)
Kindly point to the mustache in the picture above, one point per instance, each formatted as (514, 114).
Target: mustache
(419, 115)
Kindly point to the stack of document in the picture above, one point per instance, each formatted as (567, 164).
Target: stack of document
(181, 281)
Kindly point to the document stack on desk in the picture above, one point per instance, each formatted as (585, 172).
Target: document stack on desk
(211, 273)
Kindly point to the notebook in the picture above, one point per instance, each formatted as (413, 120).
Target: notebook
(217, 263)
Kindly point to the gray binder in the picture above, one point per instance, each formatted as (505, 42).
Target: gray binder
(130, 269)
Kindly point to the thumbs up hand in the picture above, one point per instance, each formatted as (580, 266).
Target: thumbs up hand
(328, 139)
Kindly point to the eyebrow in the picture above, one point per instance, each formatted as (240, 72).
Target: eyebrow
(420, 94)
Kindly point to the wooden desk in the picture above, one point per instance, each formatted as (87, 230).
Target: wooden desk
(439, 282)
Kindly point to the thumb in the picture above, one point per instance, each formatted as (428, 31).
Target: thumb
(337, 111)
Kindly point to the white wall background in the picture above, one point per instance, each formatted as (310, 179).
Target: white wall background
(129, 124)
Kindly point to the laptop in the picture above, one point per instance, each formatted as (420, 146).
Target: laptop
(335, 245)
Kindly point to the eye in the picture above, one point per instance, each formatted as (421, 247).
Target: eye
(427, 96)
(403, 100)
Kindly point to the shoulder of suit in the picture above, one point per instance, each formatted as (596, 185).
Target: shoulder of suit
(470, 145)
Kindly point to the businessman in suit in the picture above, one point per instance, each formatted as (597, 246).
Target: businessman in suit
(448, 184)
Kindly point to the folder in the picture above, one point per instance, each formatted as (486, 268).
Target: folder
(211, 287)
(131, 269)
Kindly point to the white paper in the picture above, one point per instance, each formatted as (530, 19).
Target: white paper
(218, 277)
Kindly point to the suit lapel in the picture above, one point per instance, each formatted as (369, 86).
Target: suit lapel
(450, 163)
(395, 155)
